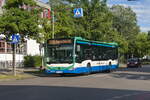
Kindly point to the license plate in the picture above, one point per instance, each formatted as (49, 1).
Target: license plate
(59, 72)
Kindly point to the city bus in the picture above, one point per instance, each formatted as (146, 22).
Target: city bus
(78, 55)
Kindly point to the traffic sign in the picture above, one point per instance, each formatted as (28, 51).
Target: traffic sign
(78, 12)
(15, 38)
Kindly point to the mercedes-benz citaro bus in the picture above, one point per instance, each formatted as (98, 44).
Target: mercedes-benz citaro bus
(77, 55)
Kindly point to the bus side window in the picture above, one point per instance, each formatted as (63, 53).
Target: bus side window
(94, 53)
(100, 53)
(79, 53)
(88, 54)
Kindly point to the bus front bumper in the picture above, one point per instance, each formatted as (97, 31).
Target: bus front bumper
(60, 71)
(73, 71)
(82, 70)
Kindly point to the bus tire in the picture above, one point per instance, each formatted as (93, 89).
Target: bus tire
(110, 66)
(62, 75)
(89, 69)
(109, 70)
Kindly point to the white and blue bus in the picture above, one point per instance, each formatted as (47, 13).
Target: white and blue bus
(77, 55)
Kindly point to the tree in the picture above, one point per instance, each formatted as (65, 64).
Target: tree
(45, 30)
(97, 20)
(141, 45)
(96, 24)
(125, 22)
(17, 19)
(63, 21)
(148, 37)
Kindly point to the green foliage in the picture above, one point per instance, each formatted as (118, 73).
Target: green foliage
(29, 61)
(63, 21)
(45, 31)
(141, 45)
(96, 24)
(17, 20)
(38, 60)
(125, 22)
(148, 37)
(122, 59)
(100, 23)
(32, 61)
(17, 3)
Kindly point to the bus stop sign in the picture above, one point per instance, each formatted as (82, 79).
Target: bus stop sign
(15, 38)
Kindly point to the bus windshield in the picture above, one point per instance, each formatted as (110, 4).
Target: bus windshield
(60, 54)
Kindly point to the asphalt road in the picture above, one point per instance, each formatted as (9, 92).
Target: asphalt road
(123, 84)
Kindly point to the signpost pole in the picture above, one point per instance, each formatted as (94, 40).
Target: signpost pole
(15, 40)
(14, 59)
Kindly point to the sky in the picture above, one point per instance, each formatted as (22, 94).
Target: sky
(140, 7)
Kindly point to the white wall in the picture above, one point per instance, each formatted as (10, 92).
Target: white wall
(8, 57)
(32, 47)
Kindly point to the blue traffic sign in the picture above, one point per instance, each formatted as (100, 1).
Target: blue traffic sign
(15, 38)
(78, 12)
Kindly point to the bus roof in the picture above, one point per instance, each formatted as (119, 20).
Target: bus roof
(90, 41)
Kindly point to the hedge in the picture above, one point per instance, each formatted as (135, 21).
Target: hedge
(32, 61)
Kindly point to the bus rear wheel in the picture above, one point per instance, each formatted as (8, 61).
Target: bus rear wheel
(110, 68)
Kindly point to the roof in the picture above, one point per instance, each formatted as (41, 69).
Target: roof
(43, 5)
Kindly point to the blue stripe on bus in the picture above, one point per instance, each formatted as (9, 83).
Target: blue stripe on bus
(83, 42)
(84, 69)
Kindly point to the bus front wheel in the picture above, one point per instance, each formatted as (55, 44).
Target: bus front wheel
(88, 69)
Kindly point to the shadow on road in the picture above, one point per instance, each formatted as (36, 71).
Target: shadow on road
(132, 76)
(43, 74)
(145, 68)
(133, 73)
(128, 73)
(25, 92)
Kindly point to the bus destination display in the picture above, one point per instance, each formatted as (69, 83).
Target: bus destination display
(57, 42)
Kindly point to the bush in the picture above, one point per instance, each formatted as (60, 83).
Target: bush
(122, 59)
(32, 61)
(146, 62)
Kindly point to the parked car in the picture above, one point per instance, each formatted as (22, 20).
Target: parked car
(134, 62)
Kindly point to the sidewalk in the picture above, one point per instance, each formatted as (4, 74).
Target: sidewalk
(122, 65)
